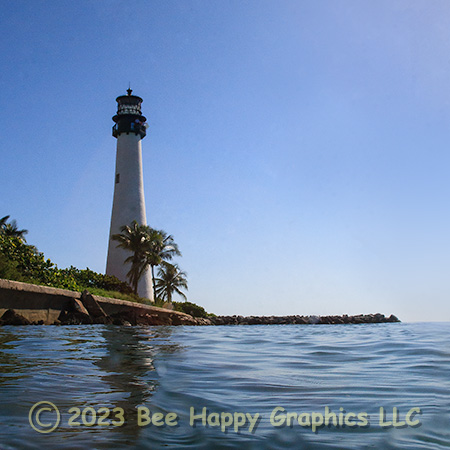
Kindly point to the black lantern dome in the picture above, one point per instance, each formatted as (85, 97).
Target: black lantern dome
(129, 118)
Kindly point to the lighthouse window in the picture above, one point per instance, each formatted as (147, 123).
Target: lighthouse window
(117, 178)
(128, 109)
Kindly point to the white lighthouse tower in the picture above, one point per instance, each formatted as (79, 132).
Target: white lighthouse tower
(128, 203)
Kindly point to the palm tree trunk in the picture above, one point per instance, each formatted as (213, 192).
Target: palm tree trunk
(135, 284)
(153, 281)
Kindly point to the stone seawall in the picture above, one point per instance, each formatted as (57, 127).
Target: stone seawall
(29, 303)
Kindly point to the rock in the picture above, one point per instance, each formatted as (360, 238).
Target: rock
(73, 318)
(379, 317)
(102, 320)
(78, 307)
(300, 320)
(92, 306)
(168, 305)
(217, 320)
(128, 316)
(392, 318)
(77, 314)
(39, 322)
(149, 319)
(155, 319)
(325, 320)
(121, 322)
(10, 317)
(356, 320)
(118, 321)
(179, 320)
(254, 320)
(203, 321)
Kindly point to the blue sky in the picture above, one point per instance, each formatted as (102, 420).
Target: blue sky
(297, 150)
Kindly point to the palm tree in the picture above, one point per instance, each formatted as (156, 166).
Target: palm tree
(162, 248)
(3, 221)
(150, 247)
(171, 279)
(11, 229)
(134, 238)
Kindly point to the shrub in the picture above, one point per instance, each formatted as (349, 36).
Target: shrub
(23, 262)
(8, 269)
(111, 283)
(190, 308)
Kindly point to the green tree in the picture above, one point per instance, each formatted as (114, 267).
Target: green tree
(31, 266)
(11, 229)
(8, 269)
(135, 238)
(3, 221)
(171, 279)
(20, 261)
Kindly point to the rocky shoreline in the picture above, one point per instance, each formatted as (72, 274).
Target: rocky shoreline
(87, 311)
(78, 315)
(303, 320)
(28, 304)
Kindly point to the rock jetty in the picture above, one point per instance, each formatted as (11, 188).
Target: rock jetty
(303, 320)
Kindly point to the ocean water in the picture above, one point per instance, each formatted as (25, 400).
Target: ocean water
(100, 376)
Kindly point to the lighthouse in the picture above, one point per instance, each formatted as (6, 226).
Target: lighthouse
(129, 203)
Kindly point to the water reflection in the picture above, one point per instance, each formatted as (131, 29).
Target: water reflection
(128, 368)
(11, 367)
(79, 366)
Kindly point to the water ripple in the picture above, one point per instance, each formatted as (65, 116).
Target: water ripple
(243, 369)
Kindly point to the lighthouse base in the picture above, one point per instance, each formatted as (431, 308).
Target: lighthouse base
(145, 288)
(115, 267)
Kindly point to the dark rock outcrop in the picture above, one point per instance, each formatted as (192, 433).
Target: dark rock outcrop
(11, 317)
(303, 320)
(75, 314)
(94, 309)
